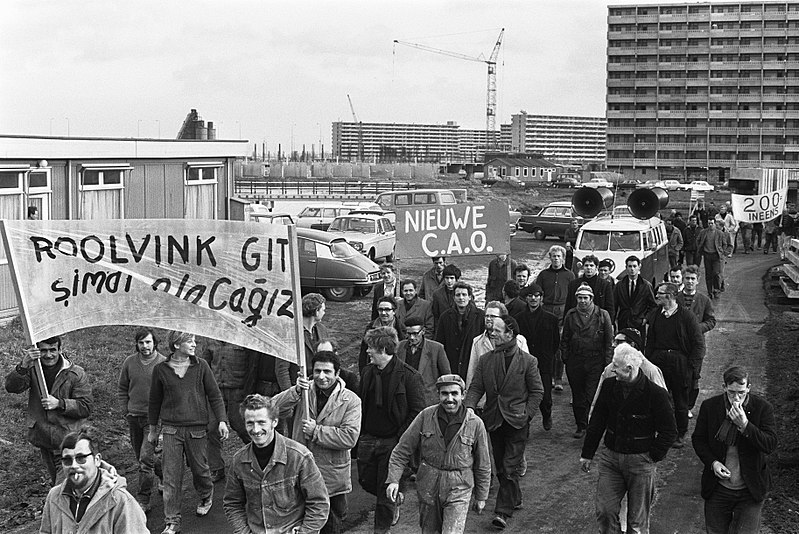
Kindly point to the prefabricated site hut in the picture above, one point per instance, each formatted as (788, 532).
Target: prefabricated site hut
(73, 178)
(525, 169)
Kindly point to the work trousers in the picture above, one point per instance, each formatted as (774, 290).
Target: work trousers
(546, 400)
(191, 442)
(692, 257)
(583, 373)
(559, 311)
(712, 272)
(52, 462)
(373, 456)
(620, 474)
(771, 240)
(508, 445)
(677, 375)
(139, 427)
(336, 516)
(232, 399)
(732, 512)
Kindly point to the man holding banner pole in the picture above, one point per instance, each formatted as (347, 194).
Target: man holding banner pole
(59, 398)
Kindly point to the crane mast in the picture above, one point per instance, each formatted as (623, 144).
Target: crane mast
(360, 129)
(491, 90)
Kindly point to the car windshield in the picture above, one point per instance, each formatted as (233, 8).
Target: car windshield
(625, 241)
(341, 249)
(353, 224)
(593, 240)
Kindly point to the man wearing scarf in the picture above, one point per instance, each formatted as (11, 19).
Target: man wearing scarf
(509, 378)
(734, 434)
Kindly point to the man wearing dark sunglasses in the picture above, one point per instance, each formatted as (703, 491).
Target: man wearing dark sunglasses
(92, 499)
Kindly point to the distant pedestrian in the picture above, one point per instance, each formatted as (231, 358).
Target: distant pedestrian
(443, 298)
(389, 286)
(133, 392)
(511, 298)
(570, 238)
(637, 421)
(57, 407)
(690, 239)
(453, 446)
(702, 308)
(735, 432)
(92, 500)
(675, 244)
(432, 279)
(771, 230)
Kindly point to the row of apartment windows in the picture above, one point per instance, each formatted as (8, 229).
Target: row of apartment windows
(703, 91)
(704, 123)
(664, 157)
(704, 106)
(702, 26)
(704, 42)
(701, 9)
(704, 58)
(702, 139)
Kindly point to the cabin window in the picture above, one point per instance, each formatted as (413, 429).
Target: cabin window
(200, 192)
(101, 189)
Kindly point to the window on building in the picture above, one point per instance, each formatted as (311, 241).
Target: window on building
(200, 190)
(101, 191)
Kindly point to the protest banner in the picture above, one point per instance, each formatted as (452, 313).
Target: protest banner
(467, 229)
(226, 280)
(769, 202)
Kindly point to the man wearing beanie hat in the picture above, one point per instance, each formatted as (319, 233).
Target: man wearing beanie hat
(454, 460)
(603, 288)
(586, 347)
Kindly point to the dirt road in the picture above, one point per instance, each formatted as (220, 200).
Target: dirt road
(558, 497)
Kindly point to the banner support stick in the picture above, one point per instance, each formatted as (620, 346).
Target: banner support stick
(296, 290)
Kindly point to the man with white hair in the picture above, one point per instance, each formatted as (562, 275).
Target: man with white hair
(554, 281)
(637, 420)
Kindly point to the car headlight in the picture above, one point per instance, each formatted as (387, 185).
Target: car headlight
(357, 245)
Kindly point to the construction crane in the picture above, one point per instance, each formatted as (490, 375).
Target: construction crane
(360, 129)
(491, 94)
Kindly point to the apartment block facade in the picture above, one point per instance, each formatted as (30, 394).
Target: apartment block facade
(697, 90)
(559, 138)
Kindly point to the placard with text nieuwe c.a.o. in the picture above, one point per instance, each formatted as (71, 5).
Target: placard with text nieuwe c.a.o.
(225, 280)
(468, 229)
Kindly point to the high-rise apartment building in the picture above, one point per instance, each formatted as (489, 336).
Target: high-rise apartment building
(702, 88)
(558, 138)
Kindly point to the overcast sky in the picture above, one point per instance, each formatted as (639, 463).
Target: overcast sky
(118, 68)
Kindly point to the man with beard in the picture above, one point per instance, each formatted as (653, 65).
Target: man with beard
(432, 279)
(425, 355)
(91, 499)
(541, 329)
(289, 492)
(411, 306)
(602, 288)
(458, 327)
(330, 431)
(510, 380)
(134, 397)
(454, 460)
(386, 309)
(585, 349)
(55, 408)
(636, 418)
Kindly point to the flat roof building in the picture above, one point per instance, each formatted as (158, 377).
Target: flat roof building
(695, 90)
(559, 138)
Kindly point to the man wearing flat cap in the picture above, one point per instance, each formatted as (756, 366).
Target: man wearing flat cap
(453, 446)
(585, 348)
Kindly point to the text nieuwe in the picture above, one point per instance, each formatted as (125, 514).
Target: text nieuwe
(254, 300)
(446, 232)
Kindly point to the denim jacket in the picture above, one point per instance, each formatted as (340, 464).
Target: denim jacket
(288, 494)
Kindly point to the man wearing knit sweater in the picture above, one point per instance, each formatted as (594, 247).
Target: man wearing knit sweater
(182, 389)
(134, 397)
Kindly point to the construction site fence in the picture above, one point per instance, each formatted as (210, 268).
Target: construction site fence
(332, 170)
(346, 188)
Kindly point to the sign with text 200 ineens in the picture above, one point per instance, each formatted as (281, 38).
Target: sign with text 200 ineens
(468, 229)
(226, 280)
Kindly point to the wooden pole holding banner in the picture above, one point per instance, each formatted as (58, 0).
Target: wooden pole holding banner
(40, 381)
(296, 289)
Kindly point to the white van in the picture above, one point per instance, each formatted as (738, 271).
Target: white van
(319, 215)
(415, 197)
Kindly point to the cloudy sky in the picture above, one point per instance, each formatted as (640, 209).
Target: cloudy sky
(263, 69)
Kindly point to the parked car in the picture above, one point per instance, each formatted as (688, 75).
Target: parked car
(674, 185)
(275, 217)
(319, 215)
(700, 185)
(650, 184)
(553, 220)
(629, 184)
(329, 264)
(514, 220)
(566, 182)
(598, 182)
(369, 234)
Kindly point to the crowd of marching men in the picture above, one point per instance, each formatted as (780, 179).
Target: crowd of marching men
(443, 386)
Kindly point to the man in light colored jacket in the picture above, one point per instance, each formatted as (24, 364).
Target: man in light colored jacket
(330, 431)
(92, 500)
(453, 445)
